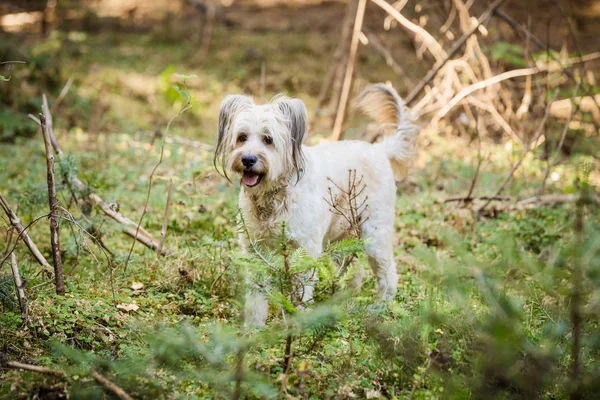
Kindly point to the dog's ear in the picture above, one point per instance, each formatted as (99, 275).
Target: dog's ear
(294, 112)
(230, 107)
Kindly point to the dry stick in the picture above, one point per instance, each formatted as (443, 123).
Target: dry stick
(130, 227)
(483, 84)
(543, 46)
(53, 203)
(342, 60)
(527, 150)
(387, 55)
(339, 119)
(163, 231)
(479, 162)
(12, 62)
(116, 390)
(62, 94)
(207, 30)
(455, 47)
(19, 286)
(185, 107)
(22, 232)
(398, 5)
(32, 368)
(335, 65)
(563, 135)
(502, 77)
(432, 45)
(467, 199)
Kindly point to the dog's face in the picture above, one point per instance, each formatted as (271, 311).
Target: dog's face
(261, 143)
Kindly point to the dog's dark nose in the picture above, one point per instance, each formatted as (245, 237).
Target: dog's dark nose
(249, 160)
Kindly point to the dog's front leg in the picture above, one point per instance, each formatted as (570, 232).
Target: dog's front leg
(310, 278)
(256, 304)
(256, 309)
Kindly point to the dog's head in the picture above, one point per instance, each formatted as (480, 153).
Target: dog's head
(261, 143)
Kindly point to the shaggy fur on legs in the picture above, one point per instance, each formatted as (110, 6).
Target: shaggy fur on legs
(283, 181)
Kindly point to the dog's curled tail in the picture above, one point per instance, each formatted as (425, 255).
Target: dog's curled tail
(382, 103)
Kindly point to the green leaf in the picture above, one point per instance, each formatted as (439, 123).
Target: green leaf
(4, 79)
(180, 88)
(185, 77)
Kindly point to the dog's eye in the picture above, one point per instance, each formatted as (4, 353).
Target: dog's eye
(268, 140)
(242, 138)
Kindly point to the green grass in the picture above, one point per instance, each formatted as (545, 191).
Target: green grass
(482, 306)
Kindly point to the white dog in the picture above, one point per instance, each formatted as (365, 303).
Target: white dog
(283, 181)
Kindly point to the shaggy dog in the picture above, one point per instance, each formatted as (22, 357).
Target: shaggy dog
(283, 181)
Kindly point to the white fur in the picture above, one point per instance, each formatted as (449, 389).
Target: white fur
(302, 203)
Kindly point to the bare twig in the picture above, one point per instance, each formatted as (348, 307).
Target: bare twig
(163, 231)
(479, 162)
(108, 209)
(185, 107)
(338, 68)
(543, 46)
(20, 288)
(386, 54)
(12, 62)
(432, 45)
(468, 199)
(62, 94)
(22, 232)
(455, 47)
(525, 152)
(554, 161)
(483, 84)
(53, 203)
(339, 119)
(32, 368)
(112, 387)
(553, 199)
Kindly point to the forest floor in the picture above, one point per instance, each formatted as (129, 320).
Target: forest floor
(133, 322)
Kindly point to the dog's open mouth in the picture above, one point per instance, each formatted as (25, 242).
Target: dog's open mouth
(251, 179)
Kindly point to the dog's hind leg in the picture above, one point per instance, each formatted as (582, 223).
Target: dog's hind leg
(379, 249)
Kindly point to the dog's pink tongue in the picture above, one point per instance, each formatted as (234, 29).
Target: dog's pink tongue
(249, 180)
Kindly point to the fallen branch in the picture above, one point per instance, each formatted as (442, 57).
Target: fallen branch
(32, 368)
(19, 287)
(339, 118)
(22, 233)
(53, 203)
(552, 199)
(112, 387)
(142, 235)
(468, 199)
(455, 47)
